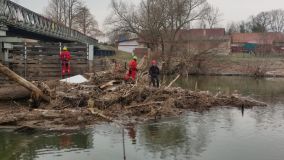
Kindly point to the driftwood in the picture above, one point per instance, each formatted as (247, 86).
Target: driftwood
(170, 85)
(99, 113)
(108, 84)
(36, 92)
(13, 93)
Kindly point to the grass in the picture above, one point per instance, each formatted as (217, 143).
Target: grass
(122, 56)
(238, 58)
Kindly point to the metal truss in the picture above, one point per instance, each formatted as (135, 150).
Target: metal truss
(15, 15)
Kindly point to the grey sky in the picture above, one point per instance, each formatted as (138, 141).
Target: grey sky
(236, 10)
(233, 10)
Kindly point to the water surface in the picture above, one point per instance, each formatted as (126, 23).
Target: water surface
(218, 134)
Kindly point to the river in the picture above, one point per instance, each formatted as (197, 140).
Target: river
(218, 134)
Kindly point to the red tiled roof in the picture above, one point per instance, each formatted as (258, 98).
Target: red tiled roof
(258, 38)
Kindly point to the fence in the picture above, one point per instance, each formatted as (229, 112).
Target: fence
(40, 61)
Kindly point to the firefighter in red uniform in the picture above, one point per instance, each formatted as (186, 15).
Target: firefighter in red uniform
(132, 69)
(65, 57)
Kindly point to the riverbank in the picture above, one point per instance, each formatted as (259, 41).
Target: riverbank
(239, 64)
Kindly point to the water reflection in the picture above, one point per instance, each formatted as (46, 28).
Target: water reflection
(24, 146)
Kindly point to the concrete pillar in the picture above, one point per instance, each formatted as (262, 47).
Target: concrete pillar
(6, 48)
(2, 33)
(6, 55)
(91, 53)
(91, 57)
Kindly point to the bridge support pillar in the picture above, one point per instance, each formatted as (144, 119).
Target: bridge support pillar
(91, 53)
(5, 52)
(91, 57)
(3, 28)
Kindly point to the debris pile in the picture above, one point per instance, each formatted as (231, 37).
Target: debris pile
(106, 97)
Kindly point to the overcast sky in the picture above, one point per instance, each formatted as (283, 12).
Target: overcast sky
(233, 10)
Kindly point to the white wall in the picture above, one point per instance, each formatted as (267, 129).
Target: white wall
(128, 46)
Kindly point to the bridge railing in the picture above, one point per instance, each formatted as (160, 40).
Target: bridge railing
(17, 16)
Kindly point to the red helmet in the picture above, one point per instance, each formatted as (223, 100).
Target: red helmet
(154, 62)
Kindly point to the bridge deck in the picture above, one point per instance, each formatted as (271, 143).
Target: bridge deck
(23, 22)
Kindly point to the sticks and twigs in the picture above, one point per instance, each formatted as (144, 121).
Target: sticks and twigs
(173, 82)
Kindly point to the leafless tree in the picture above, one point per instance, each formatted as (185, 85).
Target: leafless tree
(211, 18)
(276, 21)
(85, 22)
(232, 27)
(156, 21)
(260, 22)
(74, 14)
(63, 11)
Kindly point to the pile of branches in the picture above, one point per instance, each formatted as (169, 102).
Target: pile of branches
(109, 96)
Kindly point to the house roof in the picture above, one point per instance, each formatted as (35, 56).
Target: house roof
(127, 40)
(258, 38)
(195, 34)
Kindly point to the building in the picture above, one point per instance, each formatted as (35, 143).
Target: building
(204, 40)
(199, 40)
(271, 42)
(130, 45)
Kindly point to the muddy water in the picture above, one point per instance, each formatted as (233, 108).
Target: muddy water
(218, 134)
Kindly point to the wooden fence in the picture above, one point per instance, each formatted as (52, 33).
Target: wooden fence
(40, 61)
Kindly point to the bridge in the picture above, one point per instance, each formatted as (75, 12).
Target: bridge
(17, 21)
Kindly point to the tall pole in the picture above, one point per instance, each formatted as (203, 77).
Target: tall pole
(25, 57)
(123, 142)
(60, 63)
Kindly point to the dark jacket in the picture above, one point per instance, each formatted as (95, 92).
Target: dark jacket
(154, 71)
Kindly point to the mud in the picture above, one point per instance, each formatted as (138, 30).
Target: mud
(84, 105)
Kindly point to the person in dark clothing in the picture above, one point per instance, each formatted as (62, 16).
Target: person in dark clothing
(154, 73)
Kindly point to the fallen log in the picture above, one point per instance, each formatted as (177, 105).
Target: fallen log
(36, 92)
(13, 93)
(108, 84)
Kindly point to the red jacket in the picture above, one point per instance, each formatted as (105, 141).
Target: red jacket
(132, 65)
(65, 56)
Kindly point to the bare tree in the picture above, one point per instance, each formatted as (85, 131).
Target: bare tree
(232, 27)
(260, 22)
(63, 11)
(276, 20)
(86, 23)
(156, 21)
(72, 10)
(211, 18)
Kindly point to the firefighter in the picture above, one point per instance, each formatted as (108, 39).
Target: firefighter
(65, 58)
(132, 69)
(154, 73)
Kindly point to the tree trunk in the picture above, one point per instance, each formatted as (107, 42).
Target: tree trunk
(13, 93)
(36, 92)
